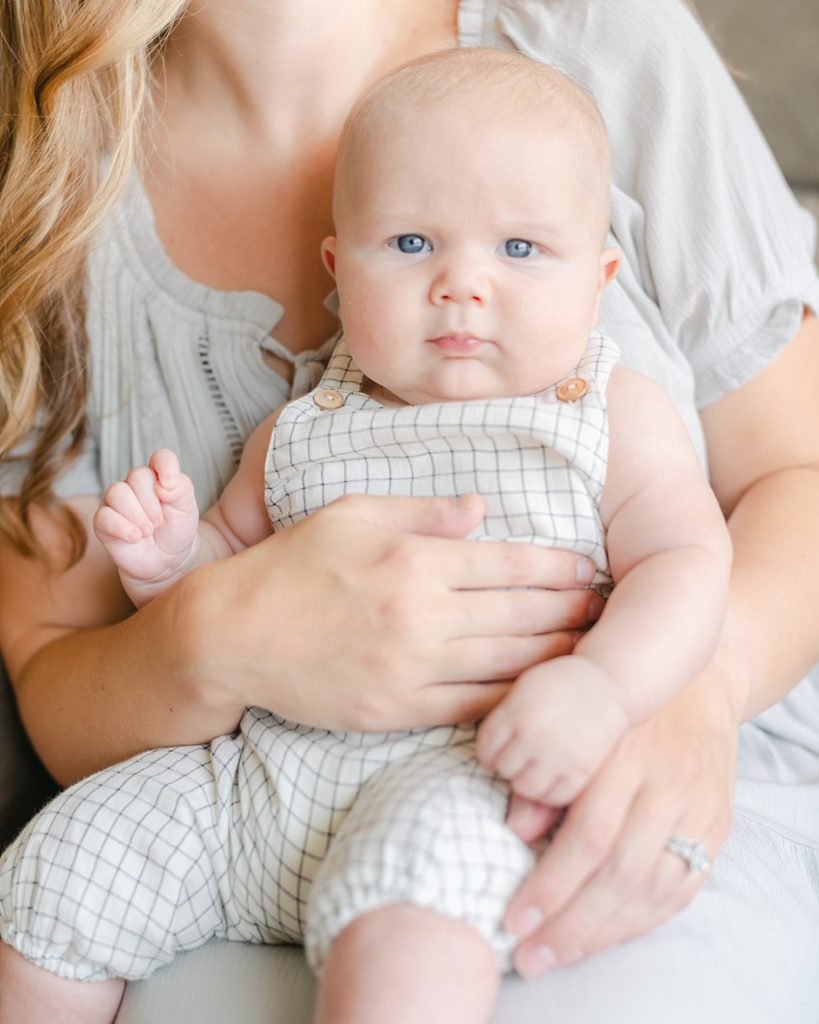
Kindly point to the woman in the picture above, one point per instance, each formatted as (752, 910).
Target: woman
(711, 302)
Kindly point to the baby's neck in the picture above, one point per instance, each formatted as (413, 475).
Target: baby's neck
(389, 400)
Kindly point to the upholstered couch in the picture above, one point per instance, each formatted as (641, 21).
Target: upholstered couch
(774, 50)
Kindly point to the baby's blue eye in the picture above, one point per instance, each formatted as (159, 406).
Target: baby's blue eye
(519, 248)
(411, 244)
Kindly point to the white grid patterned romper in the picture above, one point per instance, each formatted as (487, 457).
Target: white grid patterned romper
(285, 833)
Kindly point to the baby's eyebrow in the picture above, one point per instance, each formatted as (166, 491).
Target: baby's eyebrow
(527, 227)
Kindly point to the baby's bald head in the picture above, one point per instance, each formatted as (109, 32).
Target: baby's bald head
(476, 91)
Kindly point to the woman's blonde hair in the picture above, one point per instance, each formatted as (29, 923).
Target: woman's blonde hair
(73, 86)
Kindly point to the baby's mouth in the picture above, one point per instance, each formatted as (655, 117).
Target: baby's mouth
(457, 343)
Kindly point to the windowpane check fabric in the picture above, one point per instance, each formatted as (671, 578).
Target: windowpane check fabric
(538, 461)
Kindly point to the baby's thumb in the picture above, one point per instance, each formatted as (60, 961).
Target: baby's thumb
(165, 465)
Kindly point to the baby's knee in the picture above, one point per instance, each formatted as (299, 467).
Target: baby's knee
(405, 963)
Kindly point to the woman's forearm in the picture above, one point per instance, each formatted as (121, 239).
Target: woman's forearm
(770, 639)
(125, 687)
(763, 448)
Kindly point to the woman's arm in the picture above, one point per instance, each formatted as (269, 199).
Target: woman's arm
(86, 677)
(763, 444)
(607, 876)
(409, 617)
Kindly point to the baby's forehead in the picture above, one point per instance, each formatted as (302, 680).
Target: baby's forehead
(481, 93)
(478, 117)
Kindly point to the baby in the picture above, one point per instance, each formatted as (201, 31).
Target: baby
(471, 215)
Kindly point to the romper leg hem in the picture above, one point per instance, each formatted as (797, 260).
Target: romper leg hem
(37, 954)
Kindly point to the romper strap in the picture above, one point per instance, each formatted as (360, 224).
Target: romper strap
(342, 374)
(598, 360)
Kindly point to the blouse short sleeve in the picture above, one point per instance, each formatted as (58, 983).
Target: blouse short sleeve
(707, 223)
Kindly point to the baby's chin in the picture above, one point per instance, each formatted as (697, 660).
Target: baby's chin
(464, 390)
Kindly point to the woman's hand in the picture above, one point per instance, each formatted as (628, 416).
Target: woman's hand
(374, 614)
(607, 877)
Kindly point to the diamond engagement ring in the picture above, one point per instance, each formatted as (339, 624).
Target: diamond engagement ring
(692, 851)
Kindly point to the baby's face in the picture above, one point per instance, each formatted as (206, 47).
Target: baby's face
(469, 267)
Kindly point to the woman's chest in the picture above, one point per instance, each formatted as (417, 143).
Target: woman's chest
(259, 233)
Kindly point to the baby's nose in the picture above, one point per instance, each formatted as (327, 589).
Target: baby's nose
(461, 282)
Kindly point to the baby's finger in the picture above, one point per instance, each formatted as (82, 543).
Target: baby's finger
(165, 465)
(142, 482)
(494, 735)
(530, 820)
(499, 745)
(122, 498)
(110, 525)
(543, 780)
(513, 761)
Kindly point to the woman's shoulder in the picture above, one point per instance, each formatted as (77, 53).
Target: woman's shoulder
(590, 39)
(591, 17)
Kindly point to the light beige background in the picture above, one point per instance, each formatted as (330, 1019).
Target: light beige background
(773, 46)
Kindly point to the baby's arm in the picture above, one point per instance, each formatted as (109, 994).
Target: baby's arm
(149, 523)
(669, 554)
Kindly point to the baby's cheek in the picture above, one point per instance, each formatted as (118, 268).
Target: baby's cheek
(373, 353)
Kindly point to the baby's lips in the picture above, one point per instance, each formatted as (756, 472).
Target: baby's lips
(457, 343)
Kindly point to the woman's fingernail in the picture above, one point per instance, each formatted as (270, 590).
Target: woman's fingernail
(525, 921)
(585, 571)
(534, 960)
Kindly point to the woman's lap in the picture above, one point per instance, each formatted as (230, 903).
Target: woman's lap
(745, 950)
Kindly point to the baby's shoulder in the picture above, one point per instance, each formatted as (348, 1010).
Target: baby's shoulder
(642, 418)
(627, 386)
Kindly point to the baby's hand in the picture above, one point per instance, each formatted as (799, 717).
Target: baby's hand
(148, 522)
(553, 730)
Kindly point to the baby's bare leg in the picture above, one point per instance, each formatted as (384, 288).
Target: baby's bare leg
(32, 994)
(403, 964)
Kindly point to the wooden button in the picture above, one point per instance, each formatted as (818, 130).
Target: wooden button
(328, 398)
(572, 389)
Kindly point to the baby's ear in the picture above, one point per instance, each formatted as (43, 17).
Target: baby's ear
(328, 255)
(609, 262)
(610, 259)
